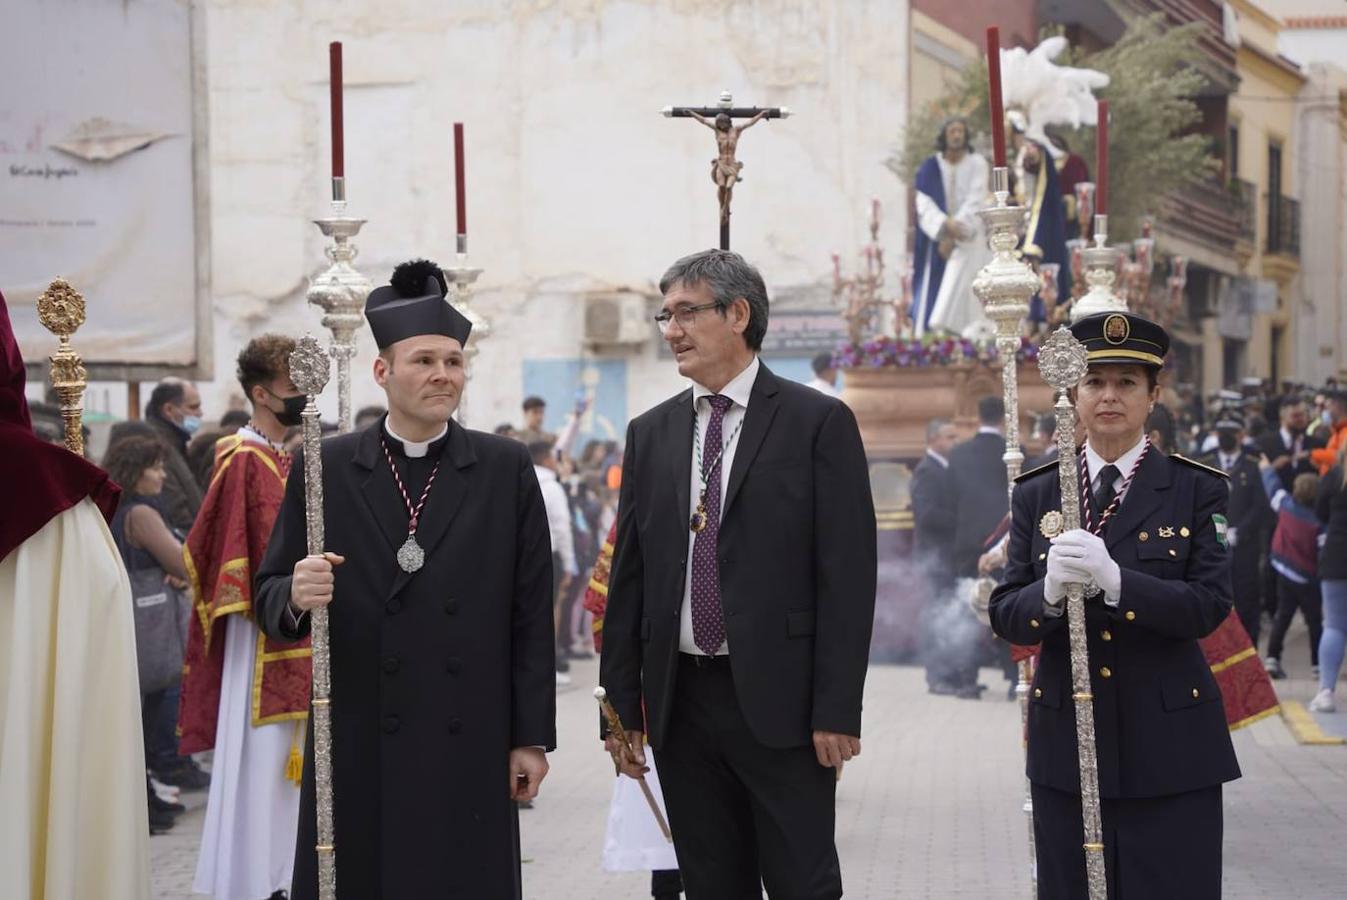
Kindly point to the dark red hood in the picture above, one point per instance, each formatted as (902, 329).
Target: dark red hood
(41, 480)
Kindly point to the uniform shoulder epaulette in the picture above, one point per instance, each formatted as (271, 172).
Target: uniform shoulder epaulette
(1037, 470)
(1179, 457)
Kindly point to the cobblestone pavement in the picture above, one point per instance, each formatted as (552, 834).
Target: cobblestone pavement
(932, 808)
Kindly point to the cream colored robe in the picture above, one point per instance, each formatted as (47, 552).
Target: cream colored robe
(73, 818)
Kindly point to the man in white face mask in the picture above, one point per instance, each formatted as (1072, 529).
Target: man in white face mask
(174, 409)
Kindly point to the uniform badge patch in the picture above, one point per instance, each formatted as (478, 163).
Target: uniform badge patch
(1219, 521)
(1051, 524)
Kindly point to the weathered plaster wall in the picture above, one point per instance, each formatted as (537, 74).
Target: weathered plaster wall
(575, 183)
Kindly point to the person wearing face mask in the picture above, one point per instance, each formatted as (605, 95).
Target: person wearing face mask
(174, 409)
(1250, 516)
(245, 695)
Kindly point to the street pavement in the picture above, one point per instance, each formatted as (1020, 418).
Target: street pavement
(932, 807)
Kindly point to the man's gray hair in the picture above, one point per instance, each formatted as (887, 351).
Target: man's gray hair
(729, 277)
(933, 428)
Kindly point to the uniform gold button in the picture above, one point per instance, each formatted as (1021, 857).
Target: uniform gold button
(1106, 672)
(1038, 692)
(1042, 556)
(1129, 615)
(1144, 536)
(1106, 635)
(1033, 623)
(1184, 532)
(1173, 552)
(1194, 693)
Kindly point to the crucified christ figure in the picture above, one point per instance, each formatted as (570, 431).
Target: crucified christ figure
(725, 168)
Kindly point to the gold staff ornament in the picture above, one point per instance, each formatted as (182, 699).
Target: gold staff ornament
(309, 371)
(615, 727)
(1063, 361)
(60, 309)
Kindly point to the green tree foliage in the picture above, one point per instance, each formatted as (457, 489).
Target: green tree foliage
(1153, 148)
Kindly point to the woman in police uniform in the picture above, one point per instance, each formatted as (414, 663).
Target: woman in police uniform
(1153, 556)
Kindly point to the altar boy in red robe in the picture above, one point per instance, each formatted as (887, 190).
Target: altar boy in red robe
(244, 694)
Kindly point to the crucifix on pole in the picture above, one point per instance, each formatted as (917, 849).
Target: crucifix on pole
(725, 168)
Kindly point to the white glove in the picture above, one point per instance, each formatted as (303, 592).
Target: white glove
(1083, 557)
(1056, 580)
(1231, 535)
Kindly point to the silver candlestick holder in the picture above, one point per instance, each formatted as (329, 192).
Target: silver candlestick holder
(1005, 286)
(461, 277)
(340, 292)
(1100, 263)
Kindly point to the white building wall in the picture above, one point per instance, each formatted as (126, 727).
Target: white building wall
(575, 183)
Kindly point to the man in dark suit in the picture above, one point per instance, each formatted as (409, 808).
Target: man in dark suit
(742, 596)
(951, 667)
(1288, 448)
(440, 623)
(1250, 516)
(978, 473)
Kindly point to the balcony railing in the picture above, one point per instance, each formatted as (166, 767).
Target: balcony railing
(1245, 196)
(1211, 212)
(1283, 226)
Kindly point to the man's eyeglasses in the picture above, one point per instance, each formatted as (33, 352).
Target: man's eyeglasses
(684, 316)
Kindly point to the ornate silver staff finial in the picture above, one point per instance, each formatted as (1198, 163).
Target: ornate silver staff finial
(1100, 263)
(340, 291)
(1062, 360)
(309, 366)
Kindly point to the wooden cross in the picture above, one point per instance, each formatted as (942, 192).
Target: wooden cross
(725, 168)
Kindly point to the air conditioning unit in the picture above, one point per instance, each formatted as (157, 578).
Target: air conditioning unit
(618, 318)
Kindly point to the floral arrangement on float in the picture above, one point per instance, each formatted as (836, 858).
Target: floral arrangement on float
(927, 350)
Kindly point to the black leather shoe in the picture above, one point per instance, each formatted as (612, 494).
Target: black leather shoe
(160, 822)
(159, 804)
(185, 776)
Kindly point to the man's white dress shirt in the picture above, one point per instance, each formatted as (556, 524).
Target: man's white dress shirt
(738, 390)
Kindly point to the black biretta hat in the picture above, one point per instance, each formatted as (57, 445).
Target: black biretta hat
(1122, 338)
(413, 303)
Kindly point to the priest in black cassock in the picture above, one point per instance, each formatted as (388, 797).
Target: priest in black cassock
(439, 576)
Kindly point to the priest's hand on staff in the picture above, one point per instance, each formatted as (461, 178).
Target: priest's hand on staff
(834, 749)
(631, 763)
(311, 586)
(528, 768)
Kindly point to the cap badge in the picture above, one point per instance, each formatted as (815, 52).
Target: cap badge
(1117, 329)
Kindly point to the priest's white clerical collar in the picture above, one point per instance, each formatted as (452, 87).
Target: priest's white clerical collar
(1094, 462)
(414, 449)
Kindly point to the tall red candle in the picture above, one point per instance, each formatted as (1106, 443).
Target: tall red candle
(1101, 163)
(338, 143)
(458, 179)
(994, 96)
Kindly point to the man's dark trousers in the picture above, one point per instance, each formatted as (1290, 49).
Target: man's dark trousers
(740, 808)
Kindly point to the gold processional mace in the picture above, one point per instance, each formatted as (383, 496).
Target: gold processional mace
(60, 309)
(1063, 361)
(615, 728)
(309, 370)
